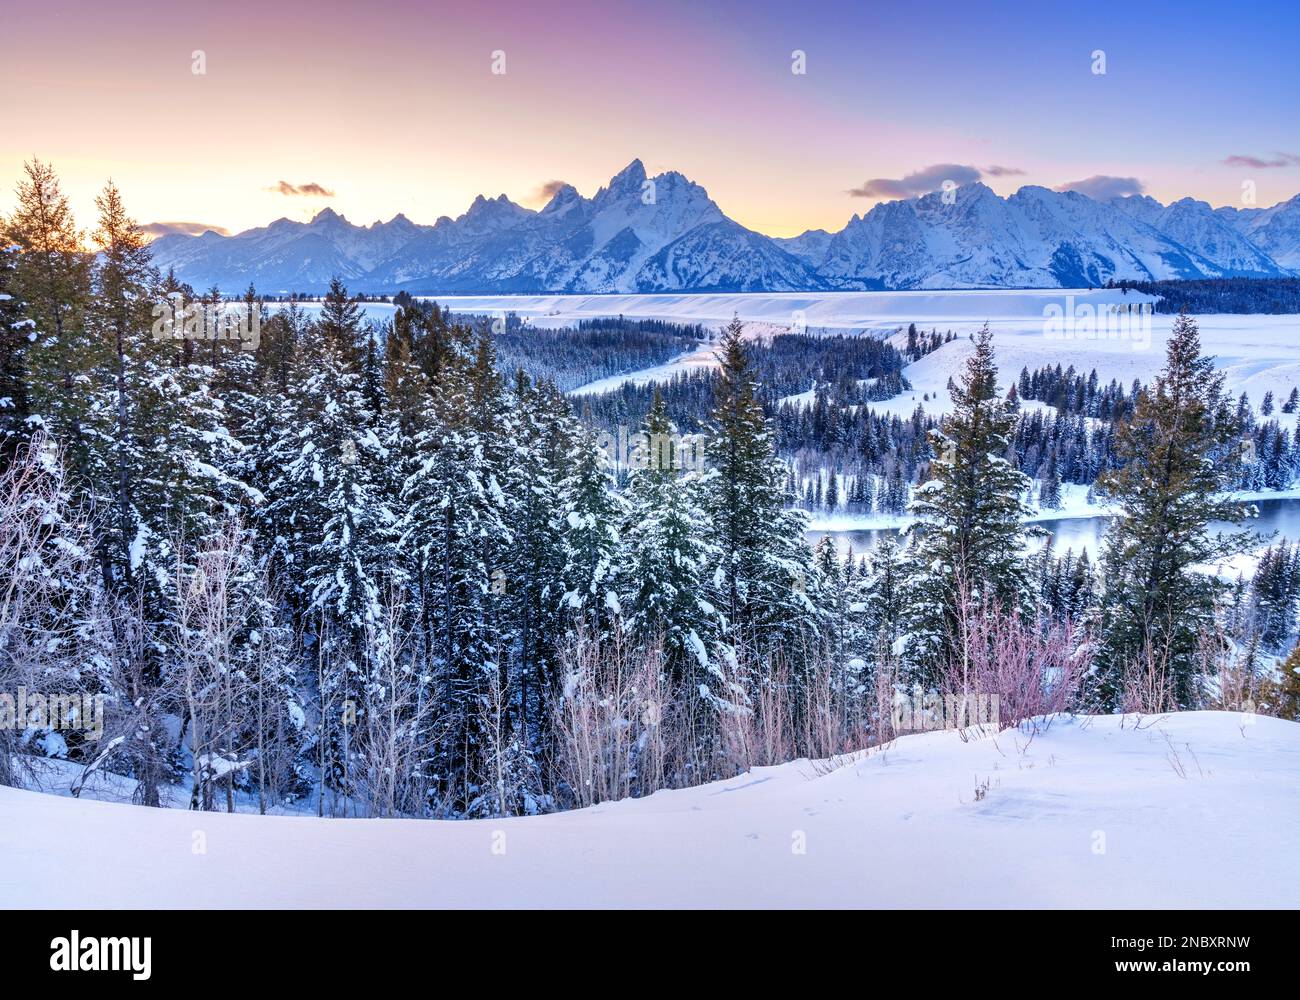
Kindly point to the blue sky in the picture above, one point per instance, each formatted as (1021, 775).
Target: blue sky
(391, 107)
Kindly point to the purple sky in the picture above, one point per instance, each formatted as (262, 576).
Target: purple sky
(382, 108)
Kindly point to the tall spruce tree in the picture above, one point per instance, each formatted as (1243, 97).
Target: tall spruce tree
(1177, 453)
(762, 572)
(664, 552)
(971, 512)
(16, 335)
(64, 361)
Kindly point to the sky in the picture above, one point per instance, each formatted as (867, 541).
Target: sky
(386, 107)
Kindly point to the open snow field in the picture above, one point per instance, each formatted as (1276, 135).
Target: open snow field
(1257, 353)
(1187, 810)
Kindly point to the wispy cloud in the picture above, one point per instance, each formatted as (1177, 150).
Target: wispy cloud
(155, 229)
(997, 171)
(1102, 186)
(921, 181)
(311, 189)
(545, 191)
(1259, 163)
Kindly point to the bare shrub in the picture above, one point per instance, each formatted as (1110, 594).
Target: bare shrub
(1148, 683)
(397, 738)
(609, 717)
(49, 603)
(1033, 668)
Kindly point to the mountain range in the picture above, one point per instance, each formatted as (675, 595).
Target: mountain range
(662, 234)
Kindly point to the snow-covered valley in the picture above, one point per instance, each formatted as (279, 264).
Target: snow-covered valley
(1193, 809)
(1257, 353)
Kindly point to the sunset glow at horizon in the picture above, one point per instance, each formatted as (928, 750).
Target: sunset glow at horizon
(394, 107)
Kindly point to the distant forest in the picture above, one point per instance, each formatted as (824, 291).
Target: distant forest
(1220, 295)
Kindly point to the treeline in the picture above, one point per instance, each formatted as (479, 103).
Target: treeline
(1220, 295)
(595, 349)
(360, 563)
(847, 370)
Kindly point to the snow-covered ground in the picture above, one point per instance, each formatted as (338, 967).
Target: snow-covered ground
(1257, 353)
(832, 311)
(1187, 810)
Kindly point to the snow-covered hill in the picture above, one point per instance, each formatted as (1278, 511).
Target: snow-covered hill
(1186, 810)
(664, 233)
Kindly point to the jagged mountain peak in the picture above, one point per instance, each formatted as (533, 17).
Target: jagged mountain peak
(665, 233)
(631, 176)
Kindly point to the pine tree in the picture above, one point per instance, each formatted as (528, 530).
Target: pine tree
(663, 554)
(454, 517)
(590, 513)
(763, 566)
(15, 331)
(64, 360)
(542, 427)
(338, 528)
(120, 316)
(971, 510)
(1176, 452)
(1050, 496)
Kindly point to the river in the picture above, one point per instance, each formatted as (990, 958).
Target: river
(1279, 516)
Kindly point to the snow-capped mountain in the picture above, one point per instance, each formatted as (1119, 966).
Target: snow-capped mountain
(1197, 227)
(1274, 230)
(643, 234)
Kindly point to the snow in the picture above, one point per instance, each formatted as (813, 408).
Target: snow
(1191, 809)
(665, 233)
(1257, 353)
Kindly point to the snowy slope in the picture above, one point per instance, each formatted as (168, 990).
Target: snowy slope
(1257, 353)
(1187, 810)
(1205, 234)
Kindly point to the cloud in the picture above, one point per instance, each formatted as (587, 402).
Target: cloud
(310, 189)
(1101, 186)
(1257, 163)
(155, 229)
(549, 190)
(546, 191)
(921, 181)
(929, 179)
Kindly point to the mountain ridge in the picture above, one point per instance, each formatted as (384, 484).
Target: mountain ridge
(665, 234)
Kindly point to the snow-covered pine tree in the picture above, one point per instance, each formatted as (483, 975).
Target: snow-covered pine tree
(64, 360)
(120, 316)
(1176, 452)
(663, 553)
(762, 575)
(453, 514)
(330, 502)
(882, 594)
(1049, 498)
(589, 518)
(970, 511)
(15, 339)
(542, 428)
